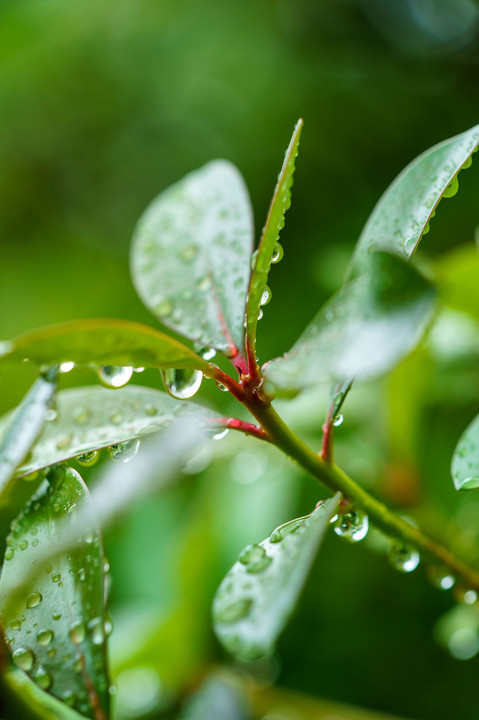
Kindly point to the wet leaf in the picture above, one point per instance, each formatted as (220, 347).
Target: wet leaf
(218, 697)
(259, 593)
(102, 342)
(268, 246)
(465, 461)
(23, 427)
(362, 332)
(401, 216)
(190, 256)
(91, 418)
(56, 631)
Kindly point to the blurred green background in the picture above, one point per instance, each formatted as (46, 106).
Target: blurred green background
(104, 104)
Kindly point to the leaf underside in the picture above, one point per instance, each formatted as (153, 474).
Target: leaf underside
(190, 256)
(56, 632)
(256, 598)
(91, 418)
(465, 461)
(100, 342)
(401, 216)
(362, 332)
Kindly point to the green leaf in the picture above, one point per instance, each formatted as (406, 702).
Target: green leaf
(24, 425)
(465, 461)
(259, 593)
(362, 332)
(56, 631)
(91, 418)
(190, 256)
(402, 215)
(102, 342)
(268, 244)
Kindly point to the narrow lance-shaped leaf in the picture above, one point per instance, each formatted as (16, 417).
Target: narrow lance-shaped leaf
(90, 418)
(257, 596)
(57, 629)
(24, 425)
(190, 256)
(403, 213)
(362, 332)
(269, 249)
(102, 342)
(465, 461)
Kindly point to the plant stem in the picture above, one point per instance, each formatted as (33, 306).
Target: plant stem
(334, 479)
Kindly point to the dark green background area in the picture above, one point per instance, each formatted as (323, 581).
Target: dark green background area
(104, 104)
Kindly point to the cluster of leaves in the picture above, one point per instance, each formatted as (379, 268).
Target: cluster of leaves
(194, 267)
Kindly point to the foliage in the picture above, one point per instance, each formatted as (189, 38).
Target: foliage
(193, 266)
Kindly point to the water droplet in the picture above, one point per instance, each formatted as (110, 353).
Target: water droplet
(116, 418)
(404, 558)
(441, 578)
(278, 253)
(66, 367)
(77, 633)
(50, 415)
(34, 600)
(207, 353)
(463, 644)
(260, 313)
(255, 558)
(56, 578)
(338, 420)
(266, 296)
(108, 627)
(218, 434)
(23, 658)
(64, 441)
(204, 283)
(88, 459)
(182, 383)
(220, 386)
(352, 526)
(232, 612)
(80, 415)
(31, 476)
(124, 452)
(35, 542)
(23, 544)
(9, 552)
(45, 637)
(286, 529)
(42, 678)
(188, 253)
(150, 410)
(56, 616)
(253, 259)
(68, 697)
(16, 625)
(452, 188)
(163, 307)
(114, 376)
(97, 630)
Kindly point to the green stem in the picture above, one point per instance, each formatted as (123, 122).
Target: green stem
(333, 478)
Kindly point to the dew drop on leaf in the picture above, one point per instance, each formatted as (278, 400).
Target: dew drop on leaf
(77, 633)
(218, 434)
(452, 188)
(441, 578)
(114, 376)
(207, 353)
(182, 383)
(255, 558)
(232, 612)
(278, 253)
(97, 630)
(88, 459)
(287, 529)
(266, 296)
(66, 367)
(23, 658)
(124, 452)
(404, 558)
(34, 600)
(352, 526)
(45, 637)
(42, 678)
(9, 553)
(338, 420)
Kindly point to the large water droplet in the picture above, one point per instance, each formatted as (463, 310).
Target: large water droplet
(255, 558)
(77, 633)
(338, 420)
(207, 353)
(97, 630)
(124, 452)
(278, 253)
(45, 637)
(42, 678)
(452, 188)
(232, 612)
(114, 376)
(287, 529)
(34, 600)
(404, 558)
(66, 367)
(88, 459)
(441, 578)
(265, 296)
(23, 658)
(182, 383)
(9, 552)
(352, 526)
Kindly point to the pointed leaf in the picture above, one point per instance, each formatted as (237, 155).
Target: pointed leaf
(465, 461)
(258, 595)
(23, 426)
(56, 632)
(91, 418)
(363, 331)
(274, 223)
(102, 342)
(190, 256)
(402, 214)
